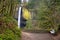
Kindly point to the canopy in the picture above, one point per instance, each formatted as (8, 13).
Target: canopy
(26, 14)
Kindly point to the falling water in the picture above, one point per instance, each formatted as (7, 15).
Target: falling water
(19, 13)
(19, 17)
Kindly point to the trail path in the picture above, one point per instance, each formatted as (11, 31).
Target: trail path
(36, 36)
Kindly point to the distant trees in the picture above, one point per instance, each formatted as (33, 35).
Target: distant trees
(53, 13)
(47, 13)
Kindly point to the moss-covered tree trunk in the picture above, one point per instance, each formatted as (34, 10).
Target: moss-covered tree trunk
(8, 7)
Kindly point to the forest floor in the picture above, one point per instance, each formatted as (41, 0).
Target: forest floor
(57, 37)
(39, 36)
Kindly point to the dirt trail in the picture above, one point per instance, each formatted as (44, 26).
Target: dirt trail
(36, 36)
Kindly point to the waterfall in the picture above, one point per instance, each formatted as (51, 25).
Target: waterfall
(19, 17)
(22, 1)
(20, 14)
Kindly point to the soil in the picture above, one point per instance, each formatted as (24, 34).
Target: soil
(36, 36)
(40, 36)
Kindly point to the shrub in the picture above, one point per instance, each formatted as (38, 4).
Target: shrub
(8, 29)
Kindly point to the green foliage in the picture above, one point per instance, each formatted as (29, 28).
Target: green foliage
(8, 7)
(9, 29)
(8, 25)
(29, 24)
(10, 35)
(47, 13)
